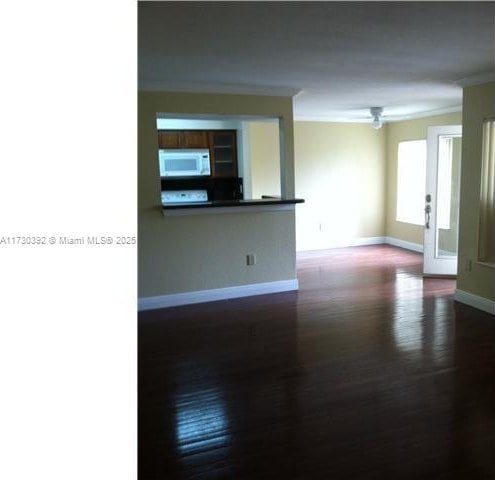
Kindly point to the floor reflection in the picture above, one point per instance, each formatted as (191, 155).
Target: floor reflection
(422, 324)
(201, 421)
(408, 314)
(442, 333)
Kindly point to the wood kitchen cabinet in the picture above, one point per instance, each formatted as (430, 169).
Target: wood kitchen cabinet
(223, 153)
(221, 143)
(182, 139)
(168, 139)
(195, 139)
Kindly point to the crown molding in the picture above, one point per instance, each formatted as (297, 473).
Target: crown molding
(477, 79)
(427, 113)
(330, 119)
(391, 119)
(220, 88)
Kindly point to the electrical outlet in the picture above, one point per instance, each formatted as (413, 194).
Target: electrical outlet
(251, 259)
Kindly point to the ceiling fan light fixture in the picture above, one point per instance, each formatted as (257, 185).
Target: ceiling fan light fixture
(376, 123)
(376, 113)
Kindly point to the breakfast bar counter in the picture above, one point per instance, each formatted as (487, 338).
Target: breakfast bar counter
(230, 206)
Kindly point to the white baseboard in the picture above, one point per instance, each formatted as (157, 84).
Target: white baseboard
(415, 247)
(366, 241)
(354, 242)
(201, 296)
(475, 301)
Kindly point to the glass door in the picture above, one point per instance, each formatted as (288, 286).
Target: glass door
(443, 174)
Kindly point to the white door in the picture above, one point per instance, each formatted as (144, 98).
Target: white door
(443, 175)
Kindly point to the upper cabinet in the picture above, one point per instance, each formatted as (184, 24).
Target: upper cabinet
(168, 139)
(195, 139)
(221, 143)
(182, 139)
(223, 153)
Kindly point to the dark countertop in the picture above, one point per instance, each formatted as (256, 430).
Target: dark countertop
(234, 203)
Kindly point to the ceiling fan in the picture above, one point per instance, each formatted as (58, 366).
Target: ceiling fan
(377, 116)
(376, 113)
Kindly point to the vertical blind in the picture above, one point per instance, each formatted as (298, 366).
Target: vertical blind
(487, 201)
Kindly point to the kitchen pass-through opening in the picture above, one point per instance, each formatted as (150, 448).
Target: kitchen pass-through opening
(209, 158)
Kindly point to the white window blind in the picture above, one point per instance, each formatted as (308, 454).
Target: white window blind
(486, 246)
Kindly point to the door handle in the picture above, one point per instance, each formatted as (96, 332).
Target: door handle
(427, 212)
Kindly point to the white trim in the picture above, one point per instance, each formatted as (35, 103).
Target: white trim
(397, 242)
(188, 298)
(428, 113)
(246, 160)
(475, 301)
(433, 263)
(219, 88)
(477, 79)
(340, 118)
(355, 242)
(181, 212)
(447, 253)
(366, 241)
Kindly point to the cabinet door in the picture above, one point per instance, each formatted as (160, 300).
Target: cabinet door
(223, 153)
(195, 139)
(169, 138)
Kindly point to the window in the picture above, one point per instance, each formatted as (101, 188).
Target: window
(411, 178)
(487, 200)
(444, 181)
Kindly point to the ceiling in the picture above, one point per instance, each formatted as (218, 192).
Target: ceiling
(336, 58)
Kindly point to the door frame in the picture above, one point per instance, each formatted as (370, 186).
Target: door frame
(434, 265)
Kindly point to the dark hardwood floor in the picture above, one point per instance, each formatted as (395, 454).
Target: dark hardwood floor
(369, 371)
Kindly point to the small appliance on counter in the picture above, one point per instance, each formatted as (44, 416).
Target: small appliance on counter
(184, 196)
(228, 188)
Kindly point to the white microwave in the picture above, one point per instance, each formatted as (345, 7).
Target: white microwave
(184, 162)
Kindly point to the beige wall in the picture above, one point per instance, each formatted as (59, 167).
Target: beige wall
(265, 158)
(340, 172)
(478, 103)
(181, 254)
(347, 173)
(399, 132)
